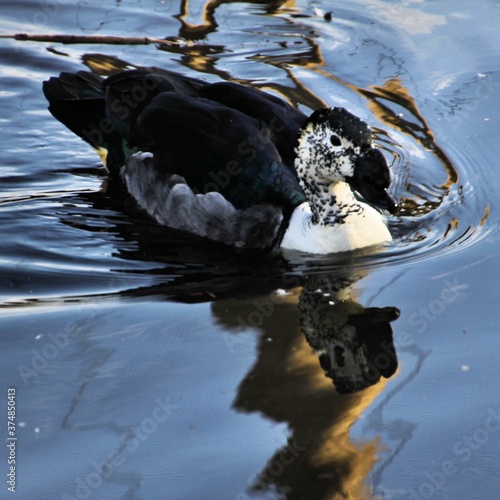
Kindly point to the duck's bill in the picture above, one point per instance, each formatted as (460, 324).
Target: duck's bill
(384, 201)
(372, 178)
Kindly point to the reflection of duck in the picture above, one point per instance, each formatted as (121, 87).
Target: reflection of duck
(354, 343)
(319, 459)
(232, 163)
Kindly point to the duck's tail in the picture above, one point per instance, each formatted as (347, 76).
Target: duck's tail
(103, 112)
(78, 101)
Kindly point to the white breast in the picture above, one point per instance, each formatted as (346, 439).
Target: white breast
(360, 229)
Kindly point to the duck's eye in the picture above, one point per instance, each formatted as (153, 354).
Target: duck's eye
(335, 140)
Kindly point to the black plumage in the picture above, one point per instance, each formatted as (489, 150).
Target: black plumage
(220, 137)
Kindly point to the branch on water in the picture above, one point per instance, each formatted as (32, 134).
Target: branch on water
(73, 39)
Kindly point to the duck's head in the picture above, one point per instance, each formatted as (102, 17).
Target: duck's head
(335, 146)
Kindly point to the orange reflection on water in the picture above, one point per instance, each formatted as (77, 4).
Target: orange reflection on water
(287, 385)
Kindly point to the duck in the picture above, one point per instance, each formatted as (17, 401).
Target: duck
(232, 163)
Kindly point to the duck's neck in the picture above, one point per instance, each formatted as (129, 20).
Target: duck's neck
(333, 220)
(331, 203)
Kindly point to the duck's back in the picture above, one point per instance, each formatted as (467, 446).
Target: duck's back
(220, 137)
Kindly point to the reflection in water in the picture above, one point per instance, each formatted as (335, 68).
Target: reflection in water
(320, 459)
(354, 343)
(104, 65)
(205, 24)
(287, 383)
(197, 18)
(394, 92)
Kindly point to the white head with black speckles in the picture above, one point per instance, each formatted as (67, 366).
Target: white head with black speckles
(328, 146)
(334, 146)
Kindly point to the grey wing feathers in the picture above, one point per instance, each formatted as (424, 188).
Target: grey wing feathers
(172, 203)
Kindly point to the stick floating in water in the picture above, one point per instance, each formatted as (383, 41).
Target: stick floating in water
(74, 39)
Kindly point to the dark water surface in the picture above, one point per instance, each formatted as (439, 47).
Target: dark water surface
(150, 365)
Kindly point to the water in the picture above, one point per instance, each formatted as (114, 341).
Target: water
(148, 365)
